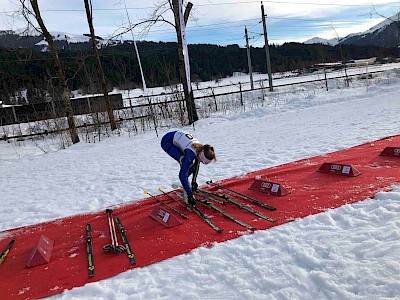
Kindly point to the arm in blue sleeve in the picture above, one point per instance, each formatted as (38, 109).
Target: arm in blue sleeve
(194, 169)
(186, 163)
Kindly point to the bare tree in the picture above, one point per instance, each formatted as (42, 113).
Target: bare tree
(342, 56)
(157, 16)
(89, 10)
(30, 8)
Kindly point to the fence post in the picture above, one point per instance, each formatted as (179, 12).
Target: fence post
(241, 95)
(88, 103)
(98, 124)
(153, 114)
(53, 108)
(131, 107)
(326, 80)
(215, 99)
(262, 92)
(181, 110)
(15, 114)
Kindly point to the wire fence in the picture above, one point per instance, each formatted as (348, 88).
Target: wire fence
(142, 114)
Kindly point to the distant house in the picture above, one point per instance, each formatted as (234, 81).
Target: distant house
(328, 65)
(338, 65)
(363, 62)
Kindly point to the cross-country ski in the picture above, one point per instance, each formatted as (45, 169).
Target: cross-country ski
(6, 250)
(89, 249)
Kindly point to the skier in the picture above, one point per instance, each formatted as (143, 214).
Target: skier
(188, 151)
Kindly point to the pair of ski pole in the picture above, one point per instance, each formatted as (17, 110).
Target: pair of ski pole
(113, 247)
(167, 205)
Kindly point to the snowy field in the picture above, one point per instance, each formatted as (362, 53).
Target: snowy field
(231, 84)
(348, 253)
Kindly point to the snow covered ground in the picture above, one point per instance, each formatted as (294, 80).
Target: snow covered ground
(348, 253)
(231, 84)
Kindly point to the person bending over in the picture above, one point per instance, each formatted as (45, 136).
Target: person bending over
(189, 152)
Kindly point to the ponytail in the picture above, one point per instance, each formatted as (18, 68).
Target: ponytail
(209, 152)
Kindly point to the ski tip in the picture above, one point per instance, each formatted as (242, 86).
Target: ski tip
(159, 188)
(145, 192)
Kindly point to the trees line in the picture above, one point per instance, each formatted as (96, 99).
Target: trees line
(33, 71)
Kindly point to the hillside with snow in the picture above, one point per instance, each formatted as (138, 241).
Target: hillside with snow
(318, 40)
(34, 39)
(384, 34)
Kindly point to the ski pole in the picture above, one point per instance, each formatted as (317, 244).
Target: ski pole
(242, 196)
(172, 198)
(109, 248)
(198, 193)
(114, 247)
(170, 207)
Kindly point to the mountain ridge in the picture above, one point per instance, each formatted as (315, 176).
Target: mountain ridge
(384, 34)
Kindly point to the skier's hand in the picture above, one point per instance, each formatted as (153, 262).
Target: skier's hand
(194, 186)
(191, 199)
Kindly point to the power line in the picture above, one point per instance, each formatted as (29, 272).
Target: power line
(239, 30)
(199, 27)
(289, 2)
(391, 4)
(240, 23)
(245, 22)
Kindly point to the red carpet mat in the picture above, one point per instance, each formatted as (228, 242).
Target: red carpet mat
(311, 192)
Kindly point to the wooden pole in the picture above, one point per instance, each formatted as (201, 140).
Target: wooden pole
(249, 59)
(271, 88)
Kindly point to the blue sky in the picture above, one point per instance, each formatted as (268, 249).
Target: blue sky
(216, 21)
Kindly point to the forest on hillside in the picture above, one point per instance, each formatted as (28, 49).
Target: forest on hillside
(32, 70)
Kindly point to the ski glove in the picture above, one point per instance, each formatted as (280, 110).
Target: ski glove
(194, 186)
(191, 199)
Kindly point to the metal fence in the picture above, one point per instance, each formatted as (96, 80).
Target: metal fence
(34, 112)
(165, 110)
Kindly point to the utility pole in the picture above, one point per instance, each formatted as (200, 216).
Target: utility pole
(271, 88)
(249, 59)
